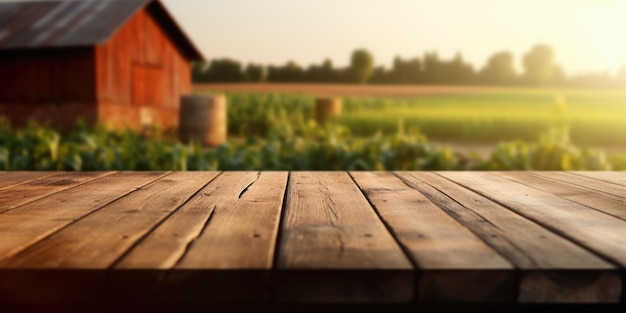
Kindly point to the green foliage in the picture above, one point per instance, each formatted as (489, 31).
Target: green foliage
(594, 118)
(538, 64)
(278, 132)
(361, 65)
(220, 70)
(254, 73)
(552, 152)
(499, 69)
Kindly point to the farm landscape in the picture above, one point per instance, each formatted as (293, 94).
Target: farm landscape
(423, 112)
(273, 127)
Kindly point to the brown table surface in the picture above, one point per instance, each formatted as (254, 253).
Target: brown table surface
(273, 237)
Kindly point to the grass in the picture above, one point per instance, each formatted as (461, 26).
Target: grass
(593, 117)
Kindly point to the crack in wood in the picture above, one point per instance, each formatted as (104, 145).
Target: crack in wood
(197, 236)
(245, 189)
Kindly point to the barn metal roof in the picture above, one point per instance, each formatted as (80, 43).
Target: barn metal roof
(79, 23)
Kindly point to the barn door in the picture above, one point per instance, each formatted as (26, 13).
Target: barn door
(148, 85)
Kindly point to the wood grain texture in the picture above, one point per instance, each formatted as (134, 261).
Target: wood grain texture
(230, 225)
(9, 179)
(586, 182)
(99, 239)
(604, 202)
(594, 230)
(449, 256)
(244, 224)
(613, 177)
(328, 226)
(32, 222)
(215, 237)
(544, 258)
(12, 197)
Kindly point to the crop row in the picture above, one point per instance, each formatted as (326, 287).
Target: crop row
(286, 146)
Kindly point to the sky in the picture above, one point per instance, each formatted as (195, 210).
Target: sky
(587, 35)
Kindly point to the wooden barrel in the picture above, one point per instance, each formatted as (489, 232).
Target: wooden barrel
(203, 118)
(327, 108)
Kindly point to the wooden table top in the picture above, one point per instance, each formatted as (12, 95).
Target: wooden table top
(485, 237)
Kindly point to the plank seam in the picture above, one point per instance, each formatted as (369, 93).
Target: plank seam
(596, 179)
(460, 221)
(58, 191)
(28, 181)
(560, 180)
(279, 237)
(600, 255)
(570, 186)
(407, 252)
(17, 254)
(161, 221)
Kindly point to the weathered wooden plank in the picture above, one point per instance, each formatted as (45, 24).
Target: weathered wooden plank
(99, 239)
(333, 246)
(613, 177)
(586, 182)
(596, 231)
(552, 269)
(9, 179)
(17, 195)
(604, 202)
(26, 225)
(244, 224)
(232, 225)
(449, 256)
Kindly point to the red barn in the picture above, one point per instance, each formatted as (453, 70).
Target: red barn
(121, 62)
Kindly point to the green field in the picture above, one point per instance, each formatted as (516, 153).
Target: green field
(594, 118)
(527, 130)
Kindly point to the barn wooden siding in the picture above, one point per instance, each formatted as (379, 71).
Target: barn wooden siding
(141, 75)
(48, 85)
(124, 63)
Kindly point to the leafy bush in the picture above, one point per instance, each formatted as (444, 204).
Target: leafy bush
(286, 146)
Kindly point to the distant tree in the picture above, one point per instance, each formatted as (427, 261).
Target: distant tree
(380, 75)
(432, 69)
(328, 73)
(539, 64)
(499, 69)
(224, 70)
(459, 72)
(198, 71)
(290, 72)
(361, 65)
(406, 71)
(321, 73)
(254, 73)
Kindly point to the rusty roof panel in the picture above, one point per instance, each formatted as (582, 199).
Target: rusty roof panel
(48, 24)
(78, 23)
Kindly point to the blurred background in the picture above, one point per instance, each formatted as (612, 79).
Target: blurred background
(312, 85)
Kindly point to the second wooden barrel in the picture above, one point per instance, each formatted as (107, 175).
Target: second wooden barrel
(203, 118)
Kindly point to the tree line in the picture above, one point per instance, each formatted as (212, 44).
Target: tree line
(539, 69)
